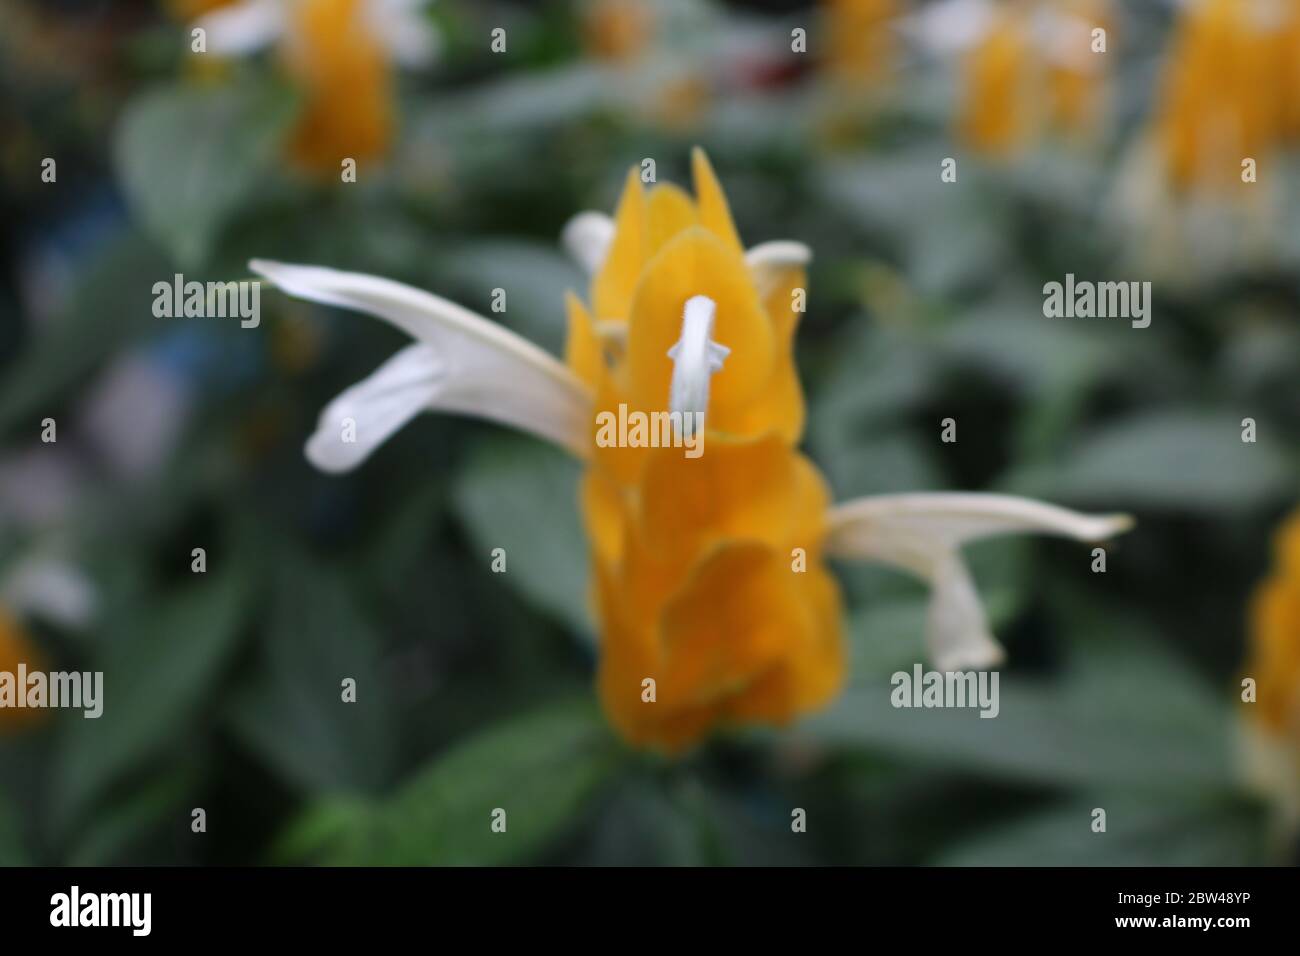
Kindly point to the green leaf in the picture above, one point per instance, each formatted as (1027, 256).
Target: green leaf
(1131, 716)
(12, 849)
(1010, 338)
(114, 833)
(1160, 832)
(521, 494)
(950, 238)
(643, 824)
(295, 715)
(514, 102)
(886, 636)
(333, 829)
(188, 158)
(540, 768)
(157, 679)
(1167, 459)
(876, 378)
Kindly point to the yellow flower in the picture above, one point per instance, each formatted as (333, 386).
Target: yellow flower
(1229, 89)
(860, 41)
(714, 601)
(1275, 640)
(1028, 69)
(1271, 743)
(16, 648)
(338, 54)
(996, 78)
(618, 30)
(692, 558)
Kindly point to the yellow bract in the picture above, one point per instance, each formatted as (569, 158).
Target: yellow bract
(15, 649)
(708, 575)
(860, 39)
(1231, 89)
(1017, 84)
(1275, 641)
(346, 81)
(617, 29)
(341, 70)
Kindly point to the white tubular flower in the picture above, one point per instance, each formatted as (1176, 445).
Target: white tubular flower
(461, 363)
(246, 27)
(695, 358)
(923, 534)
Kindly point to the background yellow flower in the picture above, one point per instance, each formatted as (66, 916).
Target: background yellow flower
(16, 648)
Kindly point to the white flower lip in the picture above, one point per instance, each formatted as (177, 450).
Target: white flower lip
(461, 362)
(923, 534)
(245, 27)
(586, 238)
(366, 415)
(411, 40)
(769, 261)
(695, 358)
(778, 254)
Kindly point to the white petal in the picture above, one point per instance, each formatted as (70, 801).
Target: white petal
(51, 588)
(483, 369)
(921, 534)
(586, 237)
(244, 27)
(779, 254)
(367, 414)
(956, 629)
(1066, 41)
(404, 30)
(950, 26)
(768, 262)
(954, 519)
